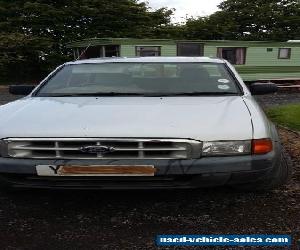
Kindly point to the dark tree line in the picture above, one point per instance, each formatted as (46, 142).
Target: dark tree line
(277, 20)
(34, 33)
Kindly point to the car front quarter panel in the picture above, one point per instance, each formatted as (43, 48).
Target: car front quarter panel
(262, 127)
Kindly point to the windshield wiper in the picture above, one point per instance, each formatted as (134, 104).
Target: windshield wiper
(193, 94)
(97, 94)
(92, 94)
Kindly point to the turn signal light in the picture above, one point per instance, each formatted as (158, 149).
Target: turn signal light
(262, 146)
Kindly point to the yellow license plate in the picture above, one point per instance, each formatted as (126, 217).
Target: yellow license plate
(101, 170)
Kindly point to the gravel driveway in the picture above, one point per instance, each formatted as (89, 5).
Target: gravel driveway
(131, 220)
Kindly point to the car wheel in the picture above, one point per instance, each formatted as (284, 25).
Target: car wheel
(279, 176)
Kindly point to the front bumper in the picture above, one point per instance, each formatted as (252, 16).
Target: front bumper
(204, 172)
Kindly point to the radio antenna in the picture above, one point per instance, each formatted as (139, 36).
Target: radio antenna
(83, 52)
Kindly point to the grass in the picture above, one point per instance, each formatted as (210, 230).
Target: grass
(286, 115)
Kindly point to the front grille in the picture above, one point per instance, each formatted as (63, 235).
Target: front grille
(98, 148)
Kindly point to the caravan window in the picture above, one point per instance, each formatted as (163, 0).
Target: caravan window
(284, 53)
(190, 49)
(236, 56)
(148, 50)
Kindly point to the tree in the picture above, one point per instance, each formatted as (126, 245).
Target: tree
(250, 20)
(22, 57)
(34, 33)
(213, 27)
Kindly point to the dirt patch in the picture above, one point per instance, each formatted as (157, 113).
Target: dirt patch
(291, 142)
(5, 97)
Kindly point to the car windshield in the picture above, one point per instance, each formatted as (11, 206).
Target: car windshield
(141, 79)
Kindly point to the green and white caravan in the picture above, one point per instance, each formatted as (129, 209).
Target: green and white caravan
(254, 60)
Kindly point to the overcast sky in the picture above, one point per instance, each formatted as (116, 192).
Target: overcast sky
(187, 7)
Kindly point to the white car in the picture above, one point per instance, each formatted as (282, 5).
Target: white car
(151, 122)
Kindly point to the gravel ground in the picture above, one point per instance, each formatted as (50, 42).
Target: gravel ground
(278, 99)
(131, 220)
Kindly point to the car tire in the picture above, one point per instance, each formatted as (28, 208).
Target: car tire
(279, 176)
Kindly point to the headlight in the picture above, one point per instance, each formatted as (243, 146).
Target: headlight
(223, 148)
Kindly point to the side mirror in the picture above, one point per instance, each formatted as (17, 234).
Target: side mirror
(261, 88)
(21, 89)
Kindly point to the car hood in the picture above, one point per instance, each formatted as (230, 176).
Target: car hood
(200, 118)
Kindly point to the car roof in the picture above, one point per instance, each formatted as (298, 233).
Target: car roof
(153, 59)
